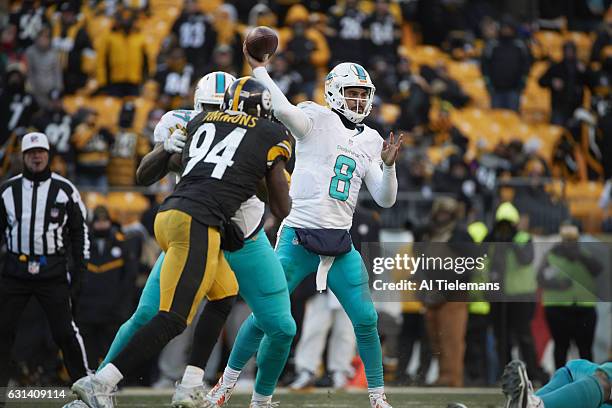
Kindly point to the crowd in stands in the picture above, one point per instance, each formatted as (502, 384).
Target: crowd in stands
(496, 105)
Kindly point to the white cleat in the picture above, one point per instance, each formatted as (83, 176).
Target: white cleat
(94, 393)
(305, 380)
(379, 400)
(517, 388)
(189, 397)
(219, 395)
(76, 404)
(264, 404)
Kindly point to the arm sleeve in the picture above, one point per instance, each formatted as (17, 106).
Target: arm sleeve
(290, 115)
(79, 234)
(382, 184)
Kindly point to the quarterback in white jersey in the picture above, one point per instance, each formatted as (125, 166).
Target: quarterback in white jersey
(335, 153)
(332, 161)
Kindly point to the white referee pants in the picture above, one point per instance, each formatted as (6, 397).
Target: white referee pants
(323, 311)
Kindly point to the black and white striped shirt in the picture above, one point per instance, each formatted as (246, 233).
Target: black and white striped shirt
(44, 218)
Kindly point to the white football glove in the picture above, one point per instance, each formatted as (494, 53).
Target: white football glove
(176, 142)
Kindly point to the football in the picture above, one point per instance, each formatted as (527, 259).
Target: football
(261, 43)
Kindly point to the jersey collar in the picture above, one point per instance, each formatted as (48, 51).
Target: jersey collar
(350, 125)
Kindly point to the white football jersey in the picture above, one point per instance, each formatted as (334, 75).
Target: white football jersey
(331, 163)
(249, 215)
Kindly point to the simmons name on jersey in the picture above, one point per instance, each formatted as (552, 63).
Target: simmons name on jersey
(225, 157)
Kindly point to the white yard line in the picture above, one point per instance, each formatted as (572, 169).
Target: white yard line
(144, 391)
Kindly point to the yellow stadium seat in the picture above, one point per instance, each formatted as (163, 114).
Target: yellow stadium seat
(208, 6)
(390, 112)
(464, 71)
(477, 91)
(551, 43)
(108, 109)
(538, 69)
(583, 204)
(92, 199)
(127, 207)
(143, 107)
(426, 55)
(72, 103)
(584, 190)
(583, 41)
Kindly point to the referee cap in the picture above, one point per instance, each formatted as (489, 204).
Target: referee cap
(34, 140)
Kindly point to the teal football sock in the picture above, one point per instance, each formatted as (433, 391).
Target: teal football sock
(247, 342)
(584, 393)
(560, 378)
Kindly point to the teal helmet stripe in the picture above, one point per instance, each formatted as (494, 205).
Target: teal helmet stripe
(220, 80)
(361, 73)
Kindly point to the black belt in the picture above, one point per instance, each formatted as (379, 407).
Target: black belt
(42, 259)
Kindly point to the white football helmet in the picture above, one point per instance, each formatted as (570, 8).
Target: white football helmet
(348, 75)
(210, 89)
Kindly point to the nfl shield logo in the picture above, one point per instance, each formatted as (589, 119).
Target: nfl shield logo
(54, 212)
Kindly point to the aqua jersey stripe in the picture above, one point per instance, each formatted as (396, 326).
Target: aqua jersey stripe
(220, 83)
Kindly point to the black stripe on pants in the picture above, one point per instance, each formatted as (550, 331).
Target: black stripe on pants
(192, 274)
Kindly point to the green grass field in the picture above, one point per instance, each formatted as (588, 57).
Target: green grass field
(400, 398)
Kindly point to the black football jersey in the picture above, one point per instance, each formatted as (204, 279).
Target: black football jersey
(224, 158)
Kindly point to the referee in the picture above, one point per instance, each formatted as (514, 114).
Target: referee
(43, 223)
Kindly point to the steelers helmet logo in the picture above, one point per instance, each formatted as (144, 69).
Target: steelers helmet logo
(266, 99)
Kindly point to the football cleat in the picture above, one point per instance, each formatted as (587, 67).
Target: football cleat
(94, 393)
(189, 397)
(304, 381)
(219, 395)
(263, 404)
(517, 387)
(76, 404)
(378, 400)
